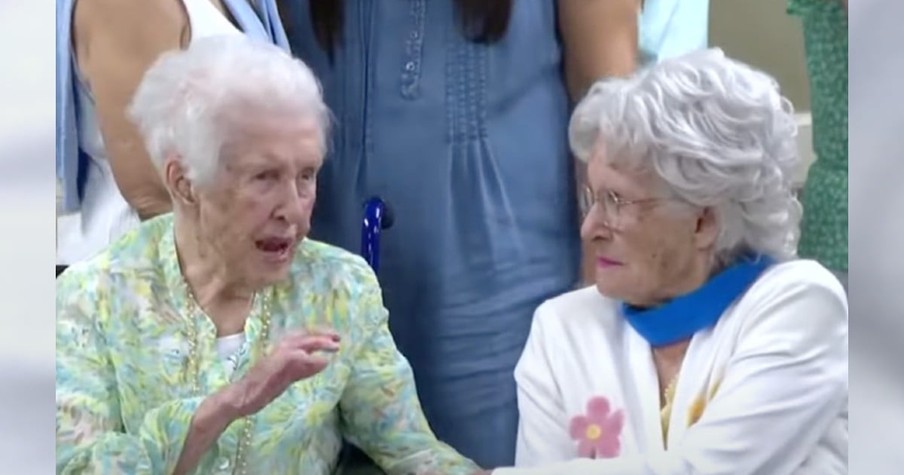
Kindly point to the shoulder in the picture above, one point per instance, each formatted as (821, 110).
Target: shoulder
(81, 291)
(133, 258)
(331, 268)
(81, 280)
(342, 285)
(116, 17)
(795, 300)
(107, 12)
(796, 282)
(576, 308)
(575, 315)
(325, 270)
(125, 34)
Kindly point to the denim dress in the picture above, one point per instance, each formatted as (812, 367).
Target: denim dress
(467, 142)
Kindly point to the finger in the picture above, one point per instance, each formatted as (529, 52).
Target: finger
(292, 366)
(297, 335)
(302, 365)
(314, 331)
(314, 344)
(309, 343)
(322, 331)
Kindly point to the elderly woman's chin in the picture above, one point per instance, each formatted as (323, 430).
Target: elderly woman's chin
(613, 282)
(272, 257)
(635, 284)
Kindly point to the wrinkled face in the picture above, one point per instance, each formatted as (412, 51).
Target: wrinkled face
(646, 245)
(258, 209)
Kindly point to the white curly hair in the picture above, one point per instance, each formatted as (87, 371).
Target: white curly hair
(190, 101)
(717, 132)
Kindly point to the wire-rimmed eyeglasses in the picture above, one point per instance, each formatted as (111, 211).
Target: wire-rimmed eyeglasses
(608, 204)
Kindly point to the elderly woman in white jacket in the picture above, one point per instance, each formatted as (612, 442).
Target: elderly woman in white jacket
(706, 346)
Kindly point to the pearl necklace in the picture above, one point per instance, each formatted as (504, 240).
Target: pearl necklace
(244, 443)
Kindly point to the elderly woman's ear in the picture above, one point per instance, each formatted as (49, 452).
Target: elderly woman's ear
(707, 229)
(180, 187)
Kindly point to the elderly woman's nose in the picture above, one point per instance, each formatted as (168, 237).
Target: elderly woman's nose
(593, 228)
(294, 202)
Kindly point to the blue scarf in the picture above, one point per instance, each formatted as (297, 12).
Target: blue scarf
(682, 317)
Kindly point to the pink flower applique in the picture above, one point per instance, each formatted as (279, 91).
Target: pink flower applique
(598, 432)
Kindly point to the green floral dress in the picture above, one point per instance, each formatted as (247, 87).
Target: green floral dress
(824, 233)
(134, 362)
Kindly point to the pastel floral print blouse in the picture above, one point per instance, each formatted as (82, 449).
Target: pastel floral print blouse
(135, 359)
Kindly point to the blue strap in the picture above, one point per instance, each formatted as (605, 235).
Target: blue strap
(67, 153)
(264, 25)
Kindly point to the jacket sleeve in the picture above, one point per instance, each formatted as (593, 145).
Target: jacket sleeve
(380, 407)
(543, 436)
(90, 436)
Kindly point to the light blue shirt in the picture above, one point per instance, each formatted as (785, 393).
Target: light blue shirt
(670, 28)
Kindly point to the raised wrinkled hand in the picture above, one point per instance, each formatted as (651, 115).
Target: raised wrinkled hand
(297, 356)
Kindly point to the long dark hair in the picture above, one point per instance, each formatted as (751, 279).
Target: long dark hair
(481, 21)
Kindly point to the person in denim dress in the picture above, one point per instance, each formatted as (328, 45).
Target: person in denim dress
(455, 113)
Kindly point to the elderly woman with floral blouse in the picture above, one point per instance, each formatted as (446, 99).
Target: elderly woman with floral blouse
(218, 339)
(706, 346)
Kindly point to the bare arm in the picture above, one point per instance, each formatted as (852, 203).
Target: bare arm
(600, 40)
(116, 41)
(209, 422)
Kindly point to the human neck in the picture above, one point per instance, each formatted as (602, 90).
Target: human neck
(223, 298)
(671, 355)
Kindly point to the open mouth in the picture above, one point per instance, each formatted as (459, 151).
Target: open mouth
(275, 248)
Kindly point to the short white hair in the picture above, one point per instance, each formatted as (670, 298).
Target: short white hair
(189, 100)
(717, 132)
